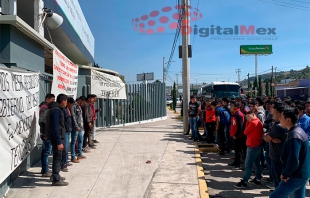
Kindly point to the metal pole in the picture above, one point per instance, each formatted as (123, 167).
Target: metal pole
(275, 82)
(185, 62)
(164, 70)
(256, 74)
(272, 83)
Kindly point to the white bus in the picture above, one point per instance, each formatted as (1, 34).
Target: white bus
(220, 90)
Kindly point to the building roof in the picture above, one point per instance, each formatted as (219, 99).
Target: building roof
(99, 69)
(17, 22)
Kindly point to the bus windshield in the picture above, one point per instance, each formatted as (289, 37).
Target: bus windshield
(220, 91)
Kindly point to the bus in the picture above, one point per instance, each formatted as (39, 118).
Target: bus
(220, 90)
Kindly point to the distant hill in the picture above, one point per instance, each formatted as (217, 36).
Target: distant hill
(291, 74)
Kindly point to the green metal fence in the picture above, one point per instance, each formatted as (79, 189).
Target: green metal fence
(144, 102)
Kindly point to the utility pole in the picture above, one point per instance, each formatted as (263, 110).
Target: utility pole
(249, 83)
(164, 71)
(238, 71)
(185, 61)
(272, 84)
(177, 75)
(275, 81)
(256, 76)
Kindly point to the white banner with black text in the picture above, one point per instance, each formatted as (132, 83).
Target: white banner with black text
(107, 86)
(19, 129)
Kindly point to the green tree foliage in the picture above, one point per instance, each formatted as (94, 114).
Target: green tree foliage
(260, 89)
(96, 65)
(267, 88)
(122, 78)
(157, 81)
(249, 84)
(255, 83)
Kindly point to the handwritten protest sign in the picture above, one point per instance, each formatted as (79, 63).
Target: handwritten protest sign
(107, 86)
(65, 75)
(19, 101)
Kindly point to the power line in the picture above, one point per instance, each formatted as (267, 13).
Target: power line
(284, 5)
(195, 22)
(176, 36)
(301, 1)
(290, 4)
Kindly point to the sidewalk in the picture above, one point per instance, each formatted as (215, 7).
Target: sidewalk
(118, 168)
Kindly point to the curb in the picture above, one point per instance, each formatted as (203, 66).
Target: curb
(203, 188)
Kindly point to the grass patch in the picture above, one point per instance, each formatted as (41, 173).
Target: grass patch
(180, 117)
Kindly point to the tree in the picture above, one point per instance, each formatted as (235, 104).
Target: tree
(157, 81)
(255, 85)
(96, 65)
(267, 88)
(260, 90)
(122, 78)
(174, 97)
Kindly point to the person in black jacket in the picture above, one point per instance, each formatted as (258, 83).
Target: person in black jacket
(46, 143)
(55, 132)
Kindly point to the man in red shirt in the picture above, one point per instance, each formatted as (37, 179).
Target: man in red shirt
(236, 132)
(211, 122)
(254, 132)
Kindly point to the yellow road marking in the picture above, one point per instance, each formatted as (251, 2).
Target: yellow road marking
(203, 188)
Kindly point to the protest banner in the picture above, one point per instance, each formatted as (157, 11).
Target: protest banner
(107, 86)
(19, 129)
(65, 75)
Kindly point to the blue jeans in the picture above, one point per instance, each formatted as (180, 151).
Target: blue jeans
(46, 151)
(294, 186)
(252, 157)
(79, 136)
(275, 171)
(66, 147)
(193, 125)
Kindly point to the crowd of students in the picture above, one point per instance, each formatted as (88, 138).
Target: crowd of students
(264, 132)
(63, 123)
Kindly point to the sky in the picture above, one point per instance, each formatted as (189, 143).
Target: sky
(129, 52)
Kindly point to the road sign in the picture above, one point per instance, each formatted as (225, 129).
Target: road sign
(255, 49)
(145, 76)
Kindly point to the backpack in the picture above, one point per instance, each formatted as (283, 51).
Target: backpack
(225, 117)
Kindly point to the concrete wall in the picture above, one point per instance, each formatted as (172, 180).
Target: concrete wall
(17, 49)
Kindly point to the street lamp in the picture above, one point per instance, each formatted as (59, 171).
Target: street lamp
(164, 69)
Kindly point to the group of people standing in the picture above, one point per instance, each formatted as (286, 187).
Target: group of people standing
(266, 133)
(61, 121)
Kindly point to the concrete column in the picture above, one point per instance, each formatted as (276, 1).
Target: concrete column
(9, 7)
(38, 6)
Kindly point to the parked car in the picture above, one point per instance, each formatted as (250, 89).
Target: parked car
(179, 102)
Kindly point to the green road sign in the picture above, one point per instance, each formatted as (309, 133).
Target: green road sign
(255, 49)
